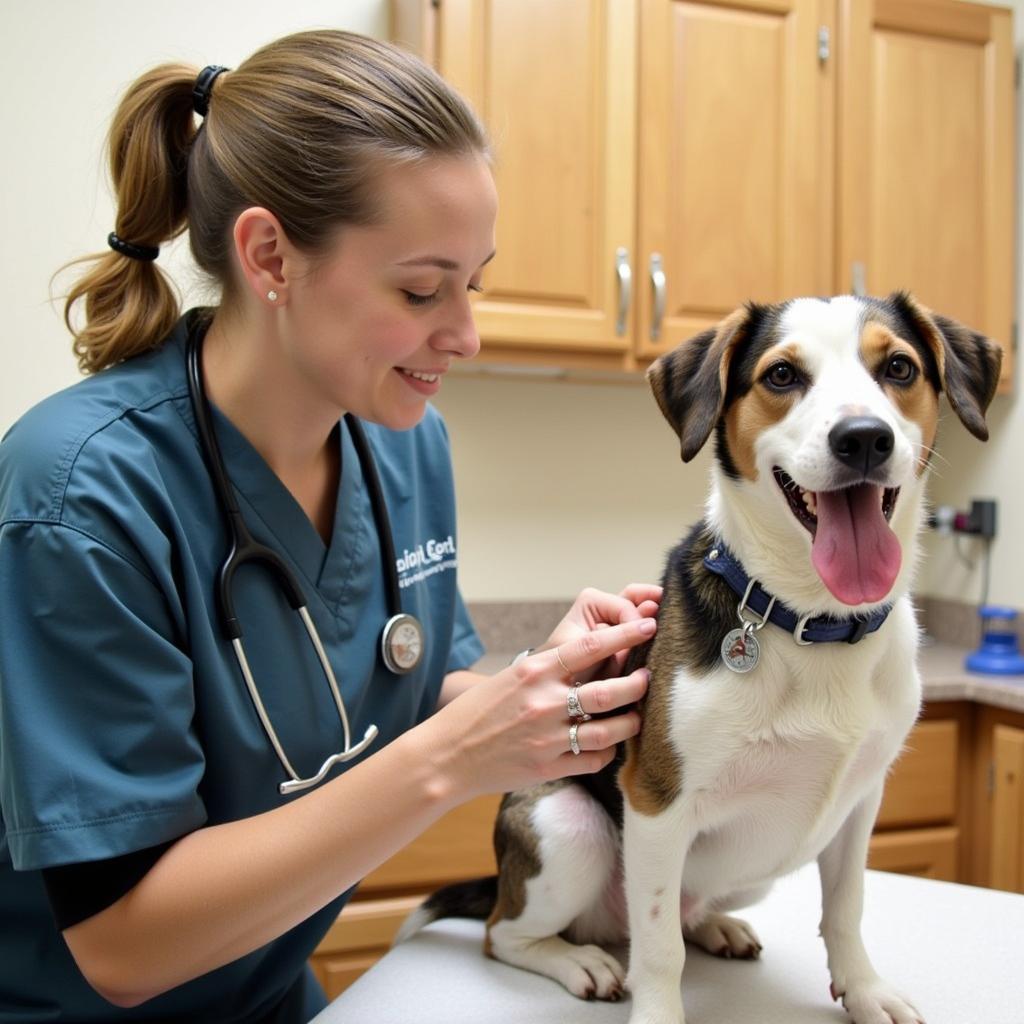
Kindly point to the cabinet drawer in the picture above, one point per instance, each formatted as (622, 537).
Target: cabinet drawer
(360, 936)
(925, 852)
(921, 789)
(457, 847)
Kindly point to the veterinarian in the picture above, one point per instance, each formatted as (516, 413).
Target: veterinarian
(234, 663)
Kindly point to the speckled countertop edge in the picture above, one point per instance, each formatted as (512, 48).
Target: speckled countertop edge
(945, 678)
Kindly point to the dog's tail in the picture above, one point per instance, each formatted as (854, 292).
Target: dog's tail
(473, 899)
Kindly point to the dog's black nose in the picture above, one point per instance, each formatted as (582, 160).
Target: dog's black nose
(861, 442)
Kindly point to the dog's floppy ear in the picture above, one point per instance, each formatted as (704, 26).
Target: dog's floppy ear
(689, 382)
(968, 361)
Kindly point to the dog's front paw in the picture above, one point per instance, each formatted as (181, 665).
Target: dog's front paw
(877, 1002)
(725, 936)
(591, 973)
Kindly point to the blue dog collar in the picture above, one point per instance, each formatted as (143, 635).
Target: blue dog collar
(805, 630)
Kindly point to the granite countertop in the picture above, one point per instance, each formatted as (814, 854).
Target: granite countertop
(946, 678)
(942, 672)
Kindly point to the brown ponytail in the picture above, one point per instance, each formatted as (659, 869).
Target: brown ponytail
(298, 128)
(130, 304)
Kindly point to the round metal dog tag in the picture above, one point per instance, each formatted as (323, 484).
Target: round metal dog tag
(740, 650)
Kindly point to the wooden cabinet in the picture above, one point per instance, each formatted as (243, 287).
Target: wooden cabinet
(921, 825)
(733, 177)
(556, 85)
(927, 137)
(660, 162)
(1006, 865)
(997, 842)
(954, 803)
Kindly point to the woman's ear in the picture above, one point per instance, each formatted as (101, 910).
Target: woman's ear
(261, 247)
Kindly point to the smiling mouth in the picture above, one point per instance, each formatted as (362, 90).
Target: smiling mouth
(804, 503)
(429, 378)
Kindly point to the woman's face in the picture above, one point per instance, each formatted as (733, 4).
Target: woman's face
(372, 328)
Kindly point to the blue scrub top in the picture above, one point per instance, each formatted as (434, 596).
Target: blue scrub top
(124, 719)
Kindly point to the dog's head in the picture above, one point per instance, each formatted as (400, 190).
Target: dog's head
(825, 414)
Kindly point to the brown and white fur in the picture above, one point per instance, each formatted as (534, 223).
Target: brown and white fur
(736, 780)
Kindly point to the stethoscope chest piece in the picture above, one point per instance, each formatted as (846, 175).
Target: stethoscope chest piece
(401, 643)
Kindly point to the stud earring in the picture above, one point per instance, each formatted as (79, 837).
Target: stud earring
(272, 295)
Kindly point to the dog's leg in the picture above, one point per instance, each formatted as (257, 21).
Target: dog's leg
(867, 997)
(577, 848)
(655, 848)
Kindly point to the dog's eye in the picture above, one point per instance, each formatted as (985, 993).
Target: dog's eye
(781, 376)
(900, 369)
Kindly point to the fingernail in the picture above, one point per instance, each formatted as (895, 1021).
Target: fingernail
(648, 626)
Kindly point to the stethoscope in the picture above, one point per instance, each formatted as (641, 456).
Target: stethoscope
(401, 643)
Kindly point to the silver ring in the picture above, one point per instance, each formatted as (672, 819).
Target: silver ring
(573, 705)
(565, 668)
(574, 743)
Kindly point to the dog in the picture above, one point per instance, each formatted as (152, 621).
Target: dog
(782, 676)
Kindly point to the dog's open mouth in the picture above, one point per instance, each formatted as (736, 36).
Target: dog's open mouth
(854, 551)
(804, 503)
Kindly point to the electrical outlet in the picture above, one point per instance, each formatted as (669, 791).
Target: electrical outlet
(979, 520)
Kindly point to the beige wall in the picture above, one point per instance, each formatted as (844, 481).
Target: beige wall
(560, 484)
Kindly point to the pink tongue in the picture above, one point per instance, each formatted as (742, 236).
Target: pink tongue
(856, 554)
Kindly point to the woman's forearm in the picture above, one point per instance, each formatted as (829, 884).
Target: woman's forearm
(455, 684)
(223, 891)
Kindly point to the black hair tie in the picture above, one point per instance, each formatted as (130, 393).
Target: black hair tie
(147, 253)
(204, 86)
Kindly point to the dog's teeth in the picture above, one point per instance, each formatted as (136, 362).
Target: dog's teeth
(811, 501)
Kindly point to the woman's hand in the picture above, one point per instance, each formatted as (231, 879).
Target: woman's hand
(595, 609)
(512, 729)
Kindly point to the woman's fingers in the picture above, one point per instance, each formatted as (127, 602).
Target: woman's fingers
(575, 656)
(604, 695)
(600, 734)
(638, 593)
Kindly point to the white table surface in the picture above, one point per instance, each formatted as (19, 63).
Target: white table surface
(956, 951)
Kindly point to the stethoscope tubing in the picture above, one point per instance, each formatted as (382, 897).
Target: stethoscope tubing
(246, 549)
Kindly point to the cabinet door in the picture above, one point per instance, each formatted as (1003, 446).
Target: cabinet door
(555, 83)
(735, 157)
(1006, 866)
(926, 143)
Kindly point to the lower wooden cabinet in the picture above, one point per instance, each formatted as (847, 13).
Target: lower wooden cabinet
(925, 852)
(919, 826)
(997, 841)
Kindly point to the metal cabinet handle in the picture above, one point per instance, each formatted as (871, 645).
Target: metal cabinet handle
(658, 286)
(625, 275)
